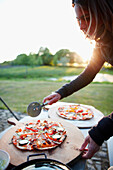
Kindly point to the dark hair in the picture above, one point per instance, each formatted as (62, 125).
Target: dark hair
(80, 2)
(101, 10)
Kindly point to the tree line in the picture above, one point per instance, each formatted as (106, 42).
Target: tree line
(45, 57)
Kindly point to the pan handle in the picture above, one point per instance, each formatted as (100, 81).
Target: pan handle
(37, 154)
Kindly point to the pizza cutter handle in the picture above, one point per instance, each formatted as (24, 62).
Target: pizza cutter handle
(44, 103)
(37, 154)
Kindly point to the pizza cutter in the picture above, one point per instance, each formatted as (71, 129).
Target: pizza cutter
(34, 108)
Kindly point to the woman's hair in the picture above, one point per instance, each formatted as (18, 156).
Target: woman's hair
(101, 10)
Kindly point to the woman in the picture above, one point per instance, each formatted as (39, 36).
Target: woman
(95, 18)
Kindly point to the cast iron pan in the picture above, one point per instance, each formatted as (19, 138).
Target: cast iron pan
(41, 164)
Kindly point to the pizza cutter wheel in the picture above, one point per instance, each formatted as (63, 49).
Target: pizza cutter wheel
(34, 108)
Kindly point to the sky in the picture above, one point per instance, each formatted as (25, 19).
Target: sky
(27, 25)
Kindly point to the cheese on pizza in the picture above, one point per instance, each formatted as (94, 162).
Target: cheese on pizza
(75, 112)
(41, 135)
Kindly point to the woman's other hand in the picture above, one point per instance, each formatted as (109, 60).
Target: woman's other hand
(92, 148)
(52, 98)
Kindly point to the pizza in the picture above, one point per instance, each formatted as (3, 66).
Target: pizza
(75, 112)
(41, 135)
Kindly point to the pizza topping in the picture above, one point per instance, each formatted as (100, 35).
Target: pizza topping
(20, 133)
(23, 142)
(40, 135)
(34, 130)
(48, 141)
(18, 130)
(75, 112)
(86, 113)
(56, 136)
(23, 136)
(79, 111)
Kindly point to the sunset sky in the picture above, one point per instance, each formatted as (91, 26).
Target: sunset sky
(27, 25)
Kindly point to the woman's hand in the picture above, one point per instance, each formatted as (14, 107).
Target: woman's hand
(92, 148)
(52, 98)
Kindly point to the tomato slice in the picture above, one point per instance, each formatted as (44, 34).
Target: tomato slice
(74, 117)
(18, 130)
(55, 124)
(23, 136)
(85, 113)
(79, 111)
(50, 137)
(34, 130)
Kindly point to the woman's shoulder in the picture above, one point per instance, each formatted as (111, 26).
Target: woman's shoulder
(104, 48)
(106, 40)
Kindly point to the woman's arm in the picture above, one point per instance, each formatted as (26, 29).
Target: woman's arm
(97, 135)
(103, 130)
(85, 77)
(81, 81)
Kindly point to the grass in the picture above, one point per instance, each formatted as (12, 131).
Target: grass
(42, 72)
(19, 93)
(20, 86)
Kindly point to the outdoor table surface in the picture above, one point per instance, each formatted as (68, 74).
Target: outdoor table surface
(80, 164)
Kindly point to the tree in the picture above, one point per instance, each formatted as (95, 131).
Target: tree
(62, 53)
(63, 61)
(44, 57)
(75, 58)
(47, 57)
(21, 60)
(32, 59)
(39, 61)
(55, 60)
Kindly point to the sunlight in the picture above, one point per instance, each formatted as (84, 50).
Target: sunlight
(87, 49)
(84, 47)
(27, 25)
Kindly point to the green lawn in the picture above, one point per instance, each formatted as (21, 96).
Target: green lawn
(20, 86)
(19, 93)
(42, 72)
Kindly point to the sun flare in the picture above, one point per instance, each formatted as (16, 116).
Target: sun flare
(40, 24)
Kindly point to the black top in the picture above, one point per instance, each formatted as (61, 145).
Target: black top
(103, 130)
(103, 52)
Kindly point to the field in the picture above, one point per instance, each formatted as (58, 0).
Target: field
(42, 72)
(18, 92)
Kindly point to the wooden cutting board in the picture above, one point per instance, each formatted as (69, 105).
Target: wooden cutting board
(66, 152)
(52, 112)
